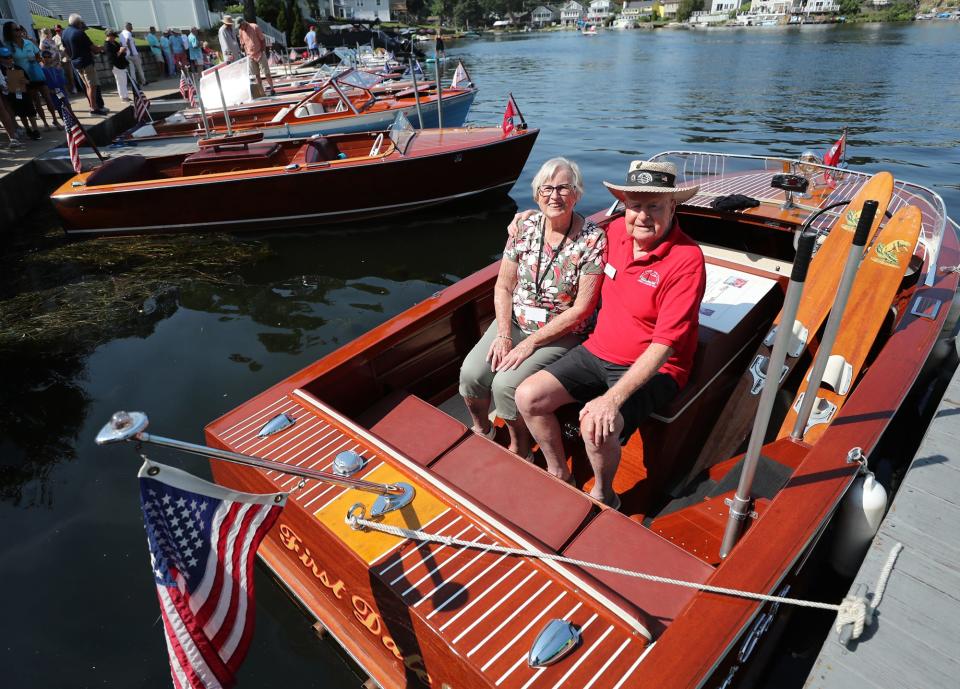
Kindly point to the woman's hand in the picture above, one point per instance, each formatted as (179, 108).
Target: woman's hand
(518, 220)
(598, 419)
(516, 356)
(499, 348)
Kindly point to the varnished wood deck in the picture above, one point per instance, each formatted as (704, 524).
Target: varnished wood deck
(914, 642)
(487, 607)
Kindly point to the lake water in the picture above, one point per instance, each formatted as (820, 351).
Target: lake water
(187, 328)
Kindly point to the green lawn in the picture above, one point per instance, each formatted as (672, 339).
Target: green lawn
(96, 35)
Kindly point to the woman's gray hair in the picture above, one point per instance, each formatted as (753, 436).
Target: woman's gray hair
(550, 168)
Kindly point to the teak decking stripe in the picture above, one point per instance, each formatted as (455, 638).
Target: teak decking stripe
(503, 598)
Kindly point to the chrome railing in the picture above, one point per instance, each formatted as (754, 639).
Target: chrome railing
(721, 173)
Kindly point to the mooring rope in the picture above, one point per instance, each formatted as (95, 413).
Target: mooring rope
(854, 610)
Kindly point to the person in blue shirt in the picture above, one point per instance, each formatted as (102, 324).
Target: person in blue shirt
(167, 52)
(196, 51)
(81, 50)
(311, 39)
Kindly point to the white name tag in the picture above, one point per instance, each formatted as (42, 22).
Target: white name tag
(537, 315)
(609, 271)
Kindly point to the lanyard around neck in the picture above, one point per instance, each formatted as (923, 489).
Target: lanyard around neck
(538, 277)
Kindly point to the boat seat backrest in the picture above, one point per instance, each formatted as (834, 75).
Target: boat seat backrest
(310, 110)
(400, 419)
(320, 150)
(514, 490)
(281, 113)
(132, 167)
(614, 539)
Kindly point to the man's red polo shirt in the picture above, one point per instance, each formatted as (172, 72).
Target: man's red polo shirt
(652, 299)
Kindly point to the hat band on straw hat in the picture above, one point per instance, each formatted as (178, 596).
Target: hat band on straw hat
(649, 178)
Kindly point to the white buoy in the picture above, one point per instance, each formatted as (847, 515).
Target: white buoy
(859, 518)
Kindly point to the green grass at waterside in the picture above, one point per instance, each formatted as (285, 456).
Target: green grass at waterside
(97, 36)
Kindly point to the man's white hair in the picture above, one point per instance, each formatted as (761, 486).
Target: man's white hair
(73, 19)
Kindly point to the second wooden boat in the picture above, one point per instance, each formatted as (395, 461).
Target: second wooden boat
(245, 182)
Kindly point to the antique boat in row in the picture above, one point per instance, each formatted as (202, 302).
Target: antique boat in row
(343, 105)
(303, 181)
(434, 614)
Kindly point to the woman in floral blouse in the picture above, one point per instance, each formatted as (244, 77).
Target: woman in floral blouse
(548, 286)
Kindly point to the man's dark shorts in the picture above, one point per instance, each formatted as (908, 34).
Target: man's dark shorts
(586, 376)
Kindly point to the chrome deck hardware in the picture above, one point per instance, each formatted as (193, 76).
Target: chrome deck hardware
(554, 642)
(276, 424)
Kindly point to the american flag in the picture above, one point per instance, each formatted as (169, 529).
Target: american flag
(141, 106)
(187, 90)
(75, 134)
(202, 540)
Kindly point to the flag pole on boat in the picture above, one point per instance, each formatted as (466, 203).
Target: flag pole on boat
(436, 68)
(203, 110)
(854, 258)
(223, 101)
(416, 91)
(740, 504)
(131, 426)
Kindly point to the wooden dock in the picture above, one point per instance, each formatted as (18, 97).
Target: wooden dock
(915, 638)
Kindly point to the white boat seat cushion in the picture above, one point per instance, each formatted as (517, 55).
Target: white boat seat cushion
(310, 109)
(281, 113)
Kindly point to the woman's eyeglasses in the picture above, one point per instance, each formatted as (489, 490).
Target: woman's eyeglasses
(564, 190)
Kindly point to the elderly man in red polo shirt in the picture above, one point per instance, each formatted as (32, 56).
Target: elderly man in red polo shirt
(641, 351)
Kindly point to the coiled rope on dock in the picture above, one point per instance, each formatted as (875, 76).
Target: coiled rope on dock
(855, 610)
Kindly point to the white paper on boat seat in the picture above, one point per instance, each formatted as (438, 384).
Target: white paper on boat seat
(235, 81)
(730, 295)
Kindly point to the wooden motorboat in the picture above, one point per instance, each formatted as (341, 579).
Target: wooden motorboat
(418, 614)
(278, 183)
(344, 104)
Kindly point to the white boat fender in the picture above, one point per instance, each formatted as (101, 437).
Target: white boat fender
(858, 520)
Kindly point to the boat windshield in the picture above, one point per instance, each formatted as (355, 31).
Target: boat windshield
(401, 133)
(361, 80)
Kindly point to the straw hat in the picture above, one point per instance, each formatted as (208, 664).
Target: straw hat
(227, 19)
(647, 177)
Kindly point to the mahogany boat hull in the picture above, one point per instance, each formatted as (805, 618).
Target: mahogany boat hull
(313, 194)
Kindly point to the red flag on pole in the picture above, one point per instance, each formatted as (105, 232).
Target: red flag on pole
(837, 152)
(510, 114)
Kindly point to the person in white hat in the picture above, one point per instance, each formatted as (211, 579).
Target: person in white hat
(641, 351)
(228, 40)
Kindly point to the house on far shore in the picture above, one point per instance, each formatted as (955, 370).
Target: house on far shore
(572, 13)
(724, 6)
(823, 7)
(669, 9)
(636, 10)
(545, 15)
(600, 11)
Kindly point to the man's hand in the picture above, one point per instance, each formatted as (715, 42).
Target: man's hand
(499, 349)
(519, 219)
(516, 356)
(598, 419)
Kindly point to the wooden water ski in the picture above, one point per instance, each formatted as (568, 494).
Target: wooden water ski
(821, 286)
(876, 286)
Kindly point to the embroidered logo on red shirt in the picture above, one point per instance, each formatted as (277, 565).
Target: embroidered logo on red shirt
(649, 277)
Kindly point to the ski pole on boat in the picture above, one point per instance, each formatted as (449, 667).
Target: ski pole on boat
(416, 90)
(740, 505)
(854, 258)
(436, 68)
(203, 110)
(223, 101)
(131, 426)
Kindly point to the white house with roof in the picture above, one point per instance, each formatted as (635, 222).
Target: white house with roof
(599, 11)
(635, 9)
(544, 15)
(819, 7)
(572, 12)
(724, 6)
(361, 9)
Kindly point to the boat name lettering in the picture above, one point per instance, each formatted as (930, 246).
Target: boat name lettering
(293, 542)
(371, 620)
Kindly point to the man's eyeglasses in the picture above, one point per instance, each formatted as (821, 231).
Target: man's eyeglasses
(564, 190)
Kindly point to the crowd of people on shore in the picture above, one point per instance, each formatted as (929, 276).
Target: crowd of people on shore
(37, 68)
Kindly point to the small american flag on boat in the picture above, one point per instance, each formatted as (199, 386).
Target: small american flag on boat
(187, 90)
(202, 540)
(141, 105)
(71, 127)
